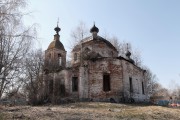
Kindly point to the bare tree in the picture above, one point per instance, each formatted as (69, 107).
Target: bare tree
(152, 85)
(79, 33)
(175, 91)
(122, 48)
(15, 41)
(178, 92)
(33, 80)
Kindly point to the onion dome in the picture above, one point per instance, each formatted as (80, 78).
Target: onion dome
(57, 29)
(94, 29)
(56, 42)
(128, 54)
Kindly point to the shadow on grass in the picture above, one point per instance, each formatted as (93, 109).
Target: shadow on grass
(100, 105)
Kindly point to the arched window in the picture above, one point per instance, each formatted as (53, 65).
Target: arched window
(75, 56)
(74, 84)
(49, 55)
(49, 58)
(59, 59)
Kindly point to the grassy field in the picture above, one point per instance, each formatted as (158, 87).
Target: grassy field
(91, 111)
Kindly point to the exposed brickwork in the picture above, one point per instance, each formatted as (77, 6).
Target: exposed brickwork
(100, 73)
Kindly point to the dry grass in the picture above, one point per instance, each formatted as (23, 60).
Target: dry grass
(92, 111)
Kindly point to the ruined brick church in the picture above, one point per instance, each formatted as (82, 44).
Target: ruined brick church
(97, 73)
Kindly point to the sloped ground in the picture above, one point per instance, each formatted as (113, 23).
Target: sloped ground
(90, 111)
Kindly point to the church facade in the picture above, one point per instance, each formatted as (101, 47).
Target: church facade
(97, 73)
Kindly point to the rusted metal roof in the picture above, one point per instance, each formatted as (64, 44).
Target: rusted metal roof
(56, 44)
(94, 40)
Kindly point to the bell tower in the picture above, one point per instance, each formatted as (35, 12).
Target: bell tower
(55, 55)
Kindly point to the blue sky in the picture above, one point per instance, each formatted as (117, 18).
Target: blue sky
(152, 26)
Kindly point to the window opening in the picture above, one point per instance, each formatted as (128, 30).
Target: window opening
(59, 59)
(75, 56)
(106, 82)
(130, 85)
(142, 88)
(74, 84)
